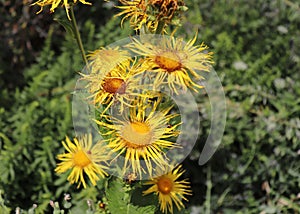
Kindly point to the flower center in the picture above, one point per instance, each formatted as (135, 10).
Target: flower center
(81, 159)
(137, 134)
(114, 85)
(169, 61)
(165, 185)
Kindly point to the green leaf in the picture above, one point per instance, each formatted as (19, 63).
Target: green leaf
(118, 199)
(141, 210)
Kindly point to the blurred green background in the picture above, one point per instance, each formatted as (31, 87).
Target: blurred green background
(256, 47)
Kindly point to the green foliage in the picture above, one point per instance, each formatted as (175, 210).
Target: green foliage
(33, 127)
(118, 198)
(254, 47)
(35, 119)
(256, 169)
(3, 207)
(41, 117)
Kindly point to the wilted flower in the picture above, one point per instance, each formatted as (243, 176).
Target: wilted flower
(151, 13)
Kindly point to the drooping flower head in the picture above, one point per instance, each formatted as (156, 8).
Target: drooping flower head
(175, 63)
(151, 13)
(56, 3)
(83, 158)
(141, 136)
(117, 86)
(169, 189)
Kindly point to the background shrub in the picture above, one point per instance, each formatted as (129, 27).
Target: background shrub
(256, 47)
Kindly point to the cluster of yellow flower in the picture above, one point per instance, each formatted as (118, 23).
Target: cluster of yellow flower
(143, 130)
(151, 15)
(83, 157)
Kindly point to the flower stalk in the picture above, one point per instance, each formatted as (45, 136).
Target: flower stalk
(160, 27)
(77, 34)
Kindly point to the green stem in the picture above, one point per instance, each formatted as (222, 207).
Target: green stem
(208, 190)
(160, 27)
(77, 35)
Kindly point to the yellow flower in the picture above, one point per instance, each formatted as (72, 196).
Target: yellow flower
(136, 10)
(105, 59)
(117, 86)
(82, 158)
(141, 135)
(169, 189)
(150, 13)
(56, 3)
(173, 62)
